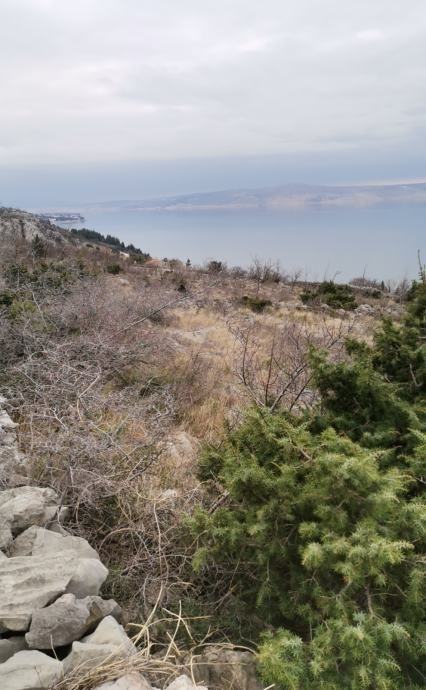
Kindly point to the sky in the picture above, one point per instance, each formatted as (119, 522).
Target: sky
(133, 98)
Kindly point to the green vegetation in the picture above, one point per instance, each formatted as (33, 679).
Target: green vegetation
(113, 268)
(323, 531)
(110, 240)
(256, 304)
(330, 293)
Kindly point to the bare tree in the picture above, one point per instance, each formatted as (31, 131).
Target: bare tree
(277, 373)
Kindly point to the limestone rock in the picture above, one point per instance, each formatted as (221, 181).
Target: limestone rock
(183, 682)
(108, 643)
(67, 620)
(10, 645)
(30, 670)
(88, 576)
(85, 656)
(110, 631)
(365, 309)
(131, 681)
(222, 668)
(36, 541)
(22, 507)
(32, 582)
(5, 421)
(12, 461)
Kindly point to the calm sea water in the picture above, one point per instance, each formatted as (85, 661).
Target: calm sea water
(322, 242)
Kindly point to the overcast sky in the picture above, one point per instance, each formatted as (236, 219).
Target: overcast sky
(119, 84)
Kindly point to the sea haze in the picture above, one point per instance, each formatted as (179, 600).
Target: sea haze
(322, 230)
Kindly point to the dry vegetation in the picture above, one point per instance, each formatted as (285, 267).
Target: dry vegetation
(117, 380)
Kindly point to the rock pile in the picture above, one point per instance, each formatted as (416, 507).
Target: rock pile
(49, 595)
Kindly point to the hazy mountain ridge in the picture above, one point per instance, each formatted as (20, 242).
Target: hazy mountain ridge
(281, 197)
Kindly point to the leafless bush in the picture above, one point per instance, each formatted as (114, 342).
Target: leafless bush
(264, 271)
(275, 371)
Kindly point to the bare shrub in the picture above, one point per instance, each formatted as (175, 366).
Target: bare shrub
(272, 364)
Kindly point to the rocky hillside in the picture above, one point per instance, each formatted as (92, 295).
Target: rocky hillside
(18, 225)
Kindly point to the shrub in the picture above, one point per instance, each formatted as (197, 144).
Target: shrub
(322, 533)
(256, 304)
(114, 269)
(215, 266)
(330, 293)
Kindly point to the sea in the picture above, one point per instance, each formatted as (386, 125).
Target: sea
(323, 243)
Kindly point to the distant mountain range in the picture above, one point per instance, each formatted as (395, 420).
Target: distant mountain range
(291, 196)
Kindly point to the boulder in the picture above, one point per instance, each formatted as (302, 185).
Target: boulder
(32, 582)
(184, 682)
(86, 656)
(131, 681)
(5, 421)
(108, 643)
(30, 670)
(110, 631)
(218, 667)
(10, 645)
(67, 620)
(36, 541)
(22, 507)
(365, 309)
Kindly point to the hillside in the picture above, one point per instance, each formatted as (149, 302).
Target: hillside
(17, 225)
(216, 436)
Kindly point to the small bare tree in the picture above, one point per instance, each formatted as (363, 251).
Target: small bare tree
(276, 373)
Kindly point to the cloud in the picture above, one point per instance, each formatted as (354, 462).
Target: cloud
(370, 35)
(124, 80)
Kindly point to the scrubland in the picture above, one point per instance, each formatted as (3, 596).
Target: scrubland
(118, 381)
(120, 374)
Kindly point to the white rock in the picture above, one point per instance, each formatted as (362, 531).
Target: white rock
(131, 681)
(366, 309)
(184, 683)
(86, 656)
(30, 670)
(67, 620)
(5, 420)
(25, 506)
(32, 582)
(108, 643)
(36, 541)
(109, 631)
(88, 576)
